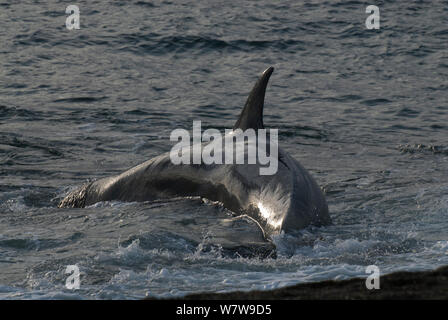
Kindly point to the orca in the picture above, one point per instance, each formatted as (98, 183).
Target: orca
(288, 200)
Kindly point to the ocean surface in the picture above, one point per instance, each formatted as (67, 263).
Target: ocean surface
(365, 111)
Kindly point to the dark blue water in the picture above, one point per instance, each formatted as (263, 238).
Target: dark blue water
(364, 110)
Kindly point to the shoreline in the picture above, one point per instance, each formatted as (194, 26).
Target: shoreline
(427, 285)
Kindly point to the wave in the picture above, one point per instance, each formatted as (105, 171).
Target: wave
(423, 149)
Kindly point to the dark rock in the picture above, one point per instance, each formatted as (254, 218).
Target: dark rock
(399, 285)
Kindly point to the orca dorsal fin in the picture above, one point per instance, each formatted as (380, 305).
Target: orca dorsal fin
(252, 115)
